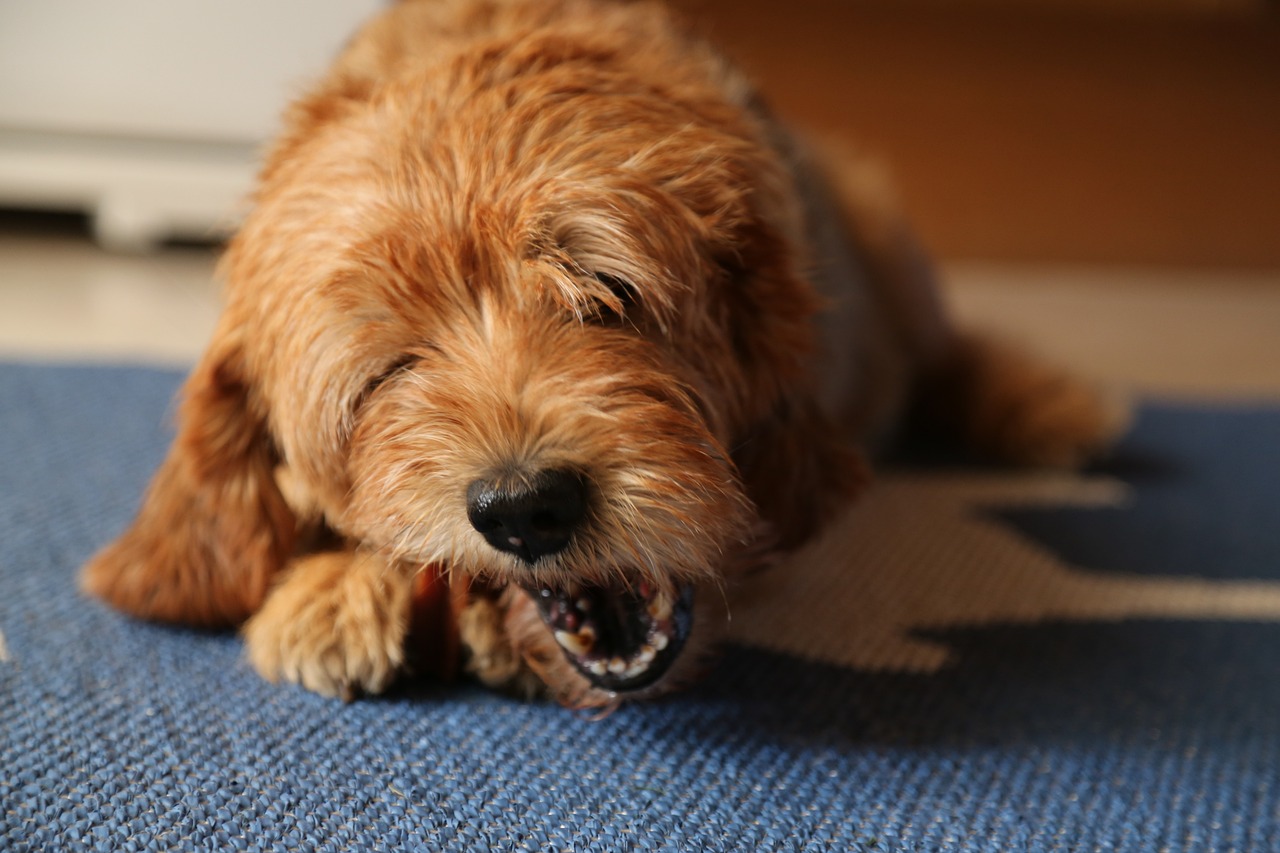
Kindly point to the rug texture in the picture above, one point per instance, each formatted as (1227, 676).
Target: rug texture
(972, 660)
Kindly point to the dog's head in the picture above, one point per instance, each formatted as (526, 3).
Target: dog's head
(528, 316)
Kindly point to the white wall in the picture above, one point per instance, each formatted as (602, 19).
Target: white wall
(150, 114)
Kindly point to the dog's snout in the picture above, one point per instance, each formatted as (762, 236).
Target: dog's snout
(531, 517)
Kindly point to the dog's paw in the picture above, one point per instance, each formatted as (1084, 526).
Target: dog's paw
(336, 624)
(491, 658)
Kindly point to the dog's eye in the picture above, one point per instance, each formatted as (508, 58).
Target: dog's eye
(623, 303)
(380, 379)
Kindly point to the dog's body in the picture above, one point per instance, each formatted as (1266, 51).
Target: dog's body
(540, 315)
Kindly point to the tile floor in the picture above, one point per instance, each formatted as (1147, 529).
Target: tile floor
(1179, 332)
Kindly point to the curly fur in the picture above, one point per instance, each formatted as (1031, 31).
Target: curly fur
(506, 236)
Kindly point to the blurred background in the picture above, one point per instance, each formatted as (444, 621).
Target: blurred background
(1095, 131)
(1100, 177)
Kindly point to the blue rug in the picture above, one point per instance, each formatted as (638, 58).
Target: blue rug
(1124, 696)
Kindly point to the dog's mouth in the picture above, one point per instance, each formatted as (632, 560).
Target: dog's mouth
(620, 638)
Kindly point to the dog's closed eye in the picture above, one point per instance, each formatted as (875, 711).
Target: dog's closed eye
(379, 379)
(622, 302)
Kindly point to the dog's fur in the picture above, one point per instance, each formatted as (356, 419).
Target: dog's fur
(508, 236)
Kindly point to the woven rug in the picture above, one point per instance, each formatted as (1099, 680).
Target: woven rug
(972, 660)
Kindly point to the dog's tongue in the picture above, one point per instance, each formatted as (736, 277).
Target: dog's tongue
(620, 638)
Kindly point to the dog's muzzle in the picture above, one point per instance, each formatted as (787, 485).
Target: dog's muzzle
(621, 637)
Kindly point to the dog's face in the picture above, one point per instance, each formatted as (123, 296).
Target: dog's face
(546, 332)
(541, 429)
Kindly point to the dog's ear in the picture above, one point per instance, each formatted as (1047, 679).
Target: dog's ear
(798, 469)
(213, 527)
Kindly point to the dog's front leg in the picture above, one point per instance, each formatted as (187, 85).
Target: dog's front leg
(336, 623)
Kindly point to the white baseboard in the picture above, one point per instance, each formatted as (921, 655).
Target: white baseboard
(137, 192)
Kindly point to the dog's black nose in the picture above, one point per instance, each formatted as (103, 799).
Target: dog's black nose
(530, 517)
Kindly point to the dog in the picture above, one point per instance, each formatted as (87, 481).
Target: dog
(540, 334)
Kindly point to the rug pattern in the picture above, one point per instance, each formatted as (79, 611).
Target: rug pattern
(927, 708)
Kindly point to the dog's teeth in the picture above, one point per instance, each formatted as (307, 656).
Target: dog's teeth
(566, 640)
(647, 654)
(577, 644)
(660, 608)
(617, 666)
(660, 641)
(598, 667)
(636, 669)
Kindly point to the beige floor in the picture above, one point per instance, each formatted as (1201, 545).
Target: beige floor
(1174, 333)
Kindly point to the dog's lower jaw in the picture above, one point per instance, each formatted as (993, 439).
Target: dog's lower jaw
(620, 638)
(561, 680)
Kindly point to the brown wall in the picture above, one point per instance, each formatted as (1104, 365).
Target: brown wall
(1051, 135)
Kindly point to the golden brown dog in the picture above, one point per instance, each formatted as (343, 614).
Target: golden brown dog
(539, 334)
